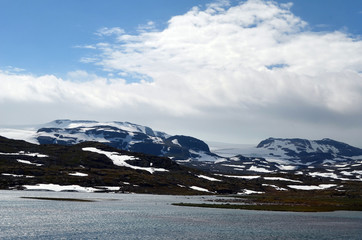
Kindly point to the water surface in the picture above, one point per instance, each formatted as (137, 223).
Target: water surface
(138, 216)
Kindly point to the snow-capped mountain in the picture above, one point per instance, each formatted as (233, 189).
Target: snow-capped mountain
(121, 135)
(319, 158)
(309, 150)
(272, 160)
(324, 158)
(96, 167)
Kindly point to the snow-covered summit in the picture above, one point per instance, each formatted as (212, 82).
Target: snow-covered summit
(86, 124)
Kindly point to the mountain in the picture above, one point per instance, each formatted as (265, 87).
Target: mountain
(307, 151)
(121, 135)
(96, 167)
(324, 159)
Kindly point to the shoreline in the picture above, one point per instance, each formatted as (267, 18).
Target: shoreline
(296, 202)
(267, 207)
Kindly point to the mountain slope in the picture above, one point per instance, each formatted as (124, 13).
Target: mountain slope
(93, 166)
(121, 135)
(309, 150)
(326, 159)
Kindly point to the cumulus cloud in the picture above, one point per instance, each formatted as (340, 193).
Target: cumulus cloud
(243, 64)
(257, 52)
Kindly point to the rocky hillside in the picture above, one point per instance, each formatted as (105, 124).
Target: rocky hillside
(94, 167)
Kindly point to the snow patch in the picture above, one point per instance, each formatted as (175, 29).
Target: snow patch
(78, 174)
(22, 153)
(28, 162)
(221, 160)
(281, 179)
(59, 188)
(341, 165)
(347, 173)
(312, 187)
(175, 141)
(259, 169)
(234, 166)
(237, 176)
(199, 189)
(326, 175)
(275, 186)
(109, 188)
(286, 167)
(28, 135)
(120, 160)
(209, 178)
(248, 192)
(15, 175)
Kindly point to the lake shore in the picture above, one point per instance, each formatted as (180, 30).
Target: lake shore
(316, 201)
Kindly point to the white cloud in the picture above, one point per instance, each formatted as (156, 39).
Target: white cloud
(105, 31)
(85, 46)
(12, 70)
(222, 55)
(252, 67)
(147, 27)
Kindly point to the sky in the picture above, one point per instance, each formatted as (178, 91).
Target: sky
(225, 71)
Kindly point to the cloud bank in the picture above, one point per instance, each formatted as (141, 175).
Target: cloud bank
(234, 72)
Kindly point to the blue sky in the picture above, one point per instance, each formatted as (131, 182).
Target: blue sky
(42, 36)
(228, 71)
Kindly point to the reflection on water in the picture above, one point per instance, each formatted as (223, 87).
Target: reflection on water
(137, 216)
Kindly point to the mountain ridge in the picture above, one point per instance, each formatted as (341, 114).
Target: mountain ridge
(308, 149)
(272, 155)
(121, 135)
(96, 167)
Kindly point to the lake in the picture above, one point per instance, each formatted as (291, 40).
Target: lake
(140, 216)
